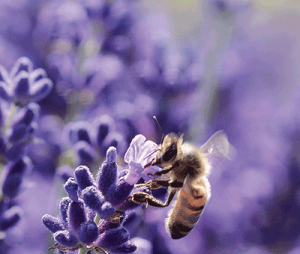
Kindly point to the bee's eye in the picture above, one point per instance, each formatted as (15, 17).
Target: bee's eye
(170, 154)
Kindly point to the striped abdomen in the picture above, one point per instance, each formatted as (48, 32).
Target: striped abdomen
(188, 207)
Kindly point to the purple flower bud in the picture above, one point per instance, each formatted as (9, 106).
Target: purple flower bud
(88, 232)
(52, 223)
(104, 126)
(63, 209)
(65, 172)
(111, 155)
(15, 152)
(22, 64)
(107, 173)
(19, 133)
(22, 85)
(114, 139)
(85, 152)
(10, 218)
(112, 238)
(121, 191)
(71, 188)
(107, 210)
(41, 89)
(84, 177)
(28, 114)
(14, 176)
(83, 135)
(2, 144)
(94, 199)
(76, 214)
(127, 247)
(79, 131)
(66, 238)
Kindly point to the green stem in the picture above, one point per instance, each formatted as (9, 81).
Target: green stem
(81, 251)
(9, 120)
(97, 219)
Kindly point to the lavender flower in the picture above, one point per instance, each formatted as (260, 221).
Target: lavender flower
(9, 217)
(107, 196)
(138, 155)
(13, 175)
(12, 178)
(90, 141)
(23, 84)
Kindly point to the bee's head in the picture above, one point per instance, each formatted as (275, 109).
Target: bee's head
(168, 149)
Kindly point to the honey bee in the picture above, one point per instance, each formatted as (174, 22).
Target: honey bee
(187, 168)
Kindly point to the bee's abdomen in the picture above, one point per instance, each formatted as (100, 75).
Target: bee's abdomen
(186, 212)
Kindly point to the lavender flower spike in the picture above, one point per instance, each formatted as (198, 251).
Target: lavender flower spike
(88, 232)
(63, 209)
(107, 174)
(139, 154)
(52, 223)
(76, 214)
(72, 187)
(84, 177)
(66, 238)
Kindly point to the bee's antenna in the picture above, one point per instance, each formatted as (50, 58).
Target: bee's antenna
(151, 153)
(159, 127)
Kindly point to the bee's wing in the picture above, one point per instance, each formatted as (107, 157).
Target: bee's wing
(218, 146)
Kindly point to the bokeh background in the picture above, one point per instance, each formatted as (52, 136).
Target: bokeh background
(199, 66)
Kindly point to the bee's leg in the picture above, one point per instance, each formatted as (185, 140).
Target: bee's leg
(143, 197)
(152, 201)
(176, 184)
(156, 184)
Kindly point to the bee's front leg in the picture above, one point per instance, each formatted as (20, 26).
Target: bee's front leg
(154, 184)
(143, 197)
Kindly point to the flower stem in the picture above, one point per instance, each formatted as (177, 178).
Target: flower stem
(81, 251)
(97, 219)
(9, 120)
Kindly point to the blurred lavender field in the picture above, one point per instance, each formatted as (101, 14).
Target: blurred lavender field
(80, 76)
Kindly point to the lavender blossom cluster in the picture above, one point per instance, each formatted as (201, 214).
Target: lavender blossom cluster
(20, 89)
(93, 214)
